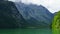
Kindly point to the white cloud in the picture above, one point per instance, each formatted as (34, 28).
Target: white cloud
(52, 5)
(12, 0)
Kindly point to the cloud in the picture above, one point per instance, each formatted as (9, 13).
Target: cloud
(12, 0)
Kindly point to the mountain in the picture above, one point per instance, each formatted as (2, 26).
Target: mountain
(14, 15)
(10, 16)
(35, 15)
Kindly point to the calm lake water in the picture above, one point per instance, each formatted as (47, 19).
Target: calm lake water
(25, 31)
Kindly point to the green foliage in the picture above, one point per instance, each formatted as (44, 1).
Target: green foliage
(56, 23)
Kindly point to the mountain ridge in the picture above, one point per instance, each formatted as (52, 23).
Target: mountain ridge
(37, 13)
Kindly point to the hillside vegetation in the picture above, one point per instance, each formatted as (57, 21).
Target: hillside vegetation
(56, 23)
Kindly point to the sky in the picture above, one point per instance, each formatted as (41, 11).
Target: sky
(52, 5)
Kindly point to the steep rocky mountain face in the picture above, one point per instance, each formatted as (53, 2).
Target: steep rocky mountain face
(35, 15)
(13, 15)
(10, 16)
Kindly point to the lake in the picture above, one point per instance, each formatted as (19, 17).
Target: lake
(26, 31)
